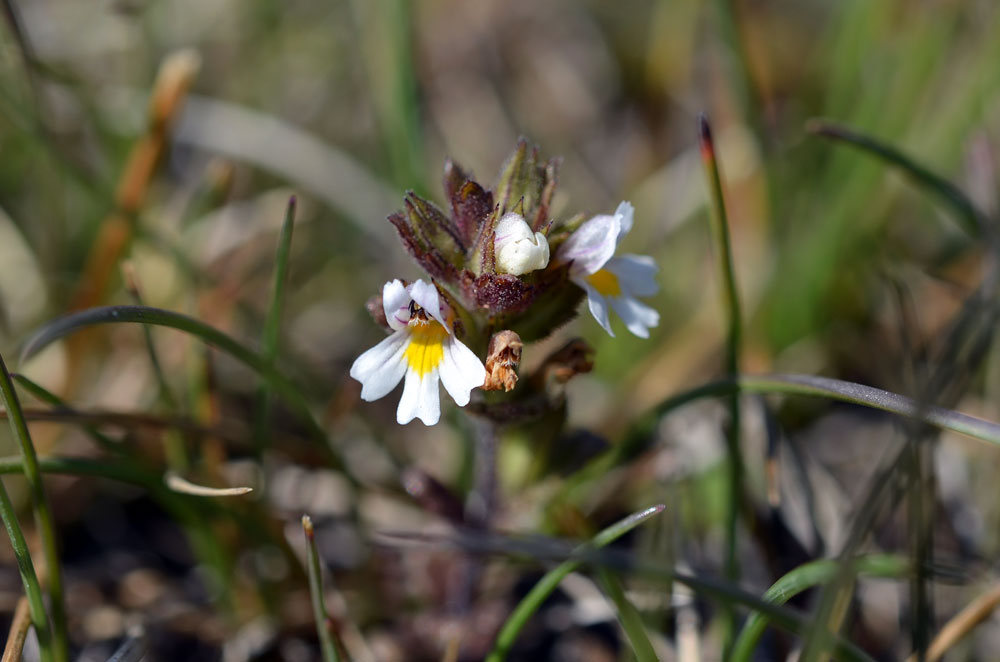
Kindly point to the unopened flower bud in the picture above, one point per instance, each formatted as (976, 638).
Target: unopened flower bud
(518, 250)
(502, 362)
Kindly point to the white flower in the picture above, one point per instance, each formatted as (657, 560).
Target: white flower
(608, 280)
(517, 249)
(424, 349)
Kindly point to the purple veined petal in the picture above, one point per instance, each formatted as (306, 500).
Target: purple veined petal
(426, 296)
(420, 398)
(592, 245)
(638, 317)
(598, 305)
(396, 304)
(380, 368)
(625, 213)
(636, 274)
(461, 371)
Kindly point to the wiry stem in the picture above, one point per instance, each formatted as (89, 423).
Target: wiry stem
(724, 261)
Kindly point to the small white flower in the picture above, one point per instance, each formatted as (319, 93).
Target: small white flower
(517, 249)
(423, 349)
(608, 280)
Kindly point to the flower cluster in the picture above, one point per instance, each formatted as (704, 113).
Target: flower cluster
(502, 273)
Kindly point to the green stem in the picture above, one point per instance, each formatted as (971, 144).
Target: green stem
(547, 584)
(43, 515)
(33, 591)
(175, 446)
(272, 324)
(327, 645)
(734, 335)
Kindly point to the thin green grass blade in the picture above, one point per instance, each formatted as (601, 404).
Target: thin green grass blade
(47, 396)
(972, 220)
(272, 324)
(547, 584)
(734, 336)
(640, 435)
(621, 561)
(157, 317)
(805, 577)
(43, 515)
(628, 616)
(32, 589)
(176, 449)
(326, 643)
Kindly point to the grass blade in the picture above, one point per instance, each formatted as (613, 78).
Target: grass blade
(47, 396)
(272, 324)
(639, 437)
(32, 590)
(734, 336)
(628, 616)
(327, 645)
(69, 324)
(43, 514)
(972, 220)
(547, 584)
(176, 448)
(805, 577)
(586, 555)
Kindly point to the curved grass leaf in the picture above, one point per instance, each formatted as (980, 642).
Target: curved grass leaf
(971, 218)
(805, 577)
(547, 584)
(284, 388)
(640, 436)
(47, 396)
(588, 556)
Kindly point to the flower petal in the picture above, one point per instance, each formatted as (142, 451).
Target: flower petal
(512, 227)
(591, 245)
(461, 371)
(636, 274)
(598, 305)
(396, 304)
(381, 367)
(638, 317)
(426, 296)
(624, 213)
(420, 399)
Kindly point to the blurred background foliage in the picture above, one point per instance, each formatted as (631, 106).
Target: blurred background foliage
(844, 268)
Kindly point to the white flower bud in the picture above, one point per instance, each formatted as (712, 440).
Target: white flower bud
(517, 249)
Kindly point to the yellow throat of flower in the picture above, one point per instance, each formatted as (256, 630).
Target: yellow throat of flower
(426, 348)
(605, 282)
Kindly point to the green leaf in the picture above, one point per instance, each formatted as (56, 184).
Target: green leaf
(972, 220)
